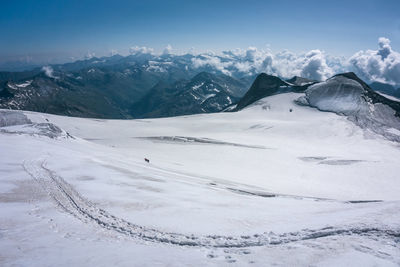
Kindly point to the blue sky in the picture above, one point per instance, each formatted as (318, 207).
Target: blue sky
(47, 30)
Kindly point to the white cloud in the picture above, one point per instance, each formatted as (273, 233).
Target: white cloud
(371, 65)
(243, 66)
(313, 64)
(381, 65)
(207, 60)
(48, 70)
(140, 50)
(167, 50)
(252, 53)
(384, 47)
(113, 52)
(238, 62)
(90, 55)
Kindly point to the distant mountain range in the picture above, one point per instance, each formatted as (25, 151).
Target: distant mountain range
(142, 86)
(113, 88)
(204, 93)
(385, 89)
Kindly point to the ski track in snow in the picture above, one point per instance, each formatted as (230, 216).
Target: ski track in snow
(73, 203)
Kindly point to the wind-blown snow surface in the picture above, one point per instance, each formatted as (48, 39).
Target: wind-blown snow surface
(258, 187)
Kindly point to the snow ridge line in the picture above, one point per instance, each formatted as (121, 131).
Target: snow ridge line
(73, 203)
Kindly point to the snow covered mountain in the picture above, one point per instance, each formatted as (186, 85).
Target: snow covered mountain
(86, 93)
(204, 93)
(261, 186)
(348, 95)
(107, 87)
(344, 94)
(139, 85)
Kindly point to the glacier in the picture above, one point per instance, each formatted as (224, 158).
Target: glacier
(348, 96)
(262, 186)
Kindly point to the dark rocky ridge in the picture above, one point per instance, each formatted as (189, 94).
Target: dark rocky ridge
(300, 81)
(268, 85)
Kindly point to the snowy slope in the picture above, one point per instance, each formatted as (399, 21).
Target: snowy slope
(347, 95)
(258, 187)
